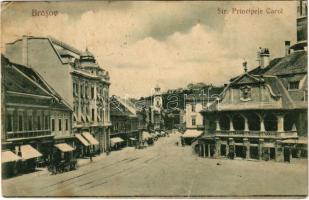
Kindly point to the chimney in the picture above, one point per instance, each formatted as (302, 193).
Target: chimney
(25, 50)
(263, 57)
(287, 47)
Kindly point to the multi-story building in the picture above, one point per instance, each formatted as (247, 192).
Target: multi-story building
(126, 124)
(262, 113)
(77, 78)
(35, 117)
(195, 103)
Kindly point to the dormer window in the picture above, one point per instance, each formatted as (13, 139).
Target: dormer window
(293, 85)
(245, 93)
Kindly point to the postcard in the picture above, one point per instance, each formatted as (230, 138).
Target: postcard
(158, 99)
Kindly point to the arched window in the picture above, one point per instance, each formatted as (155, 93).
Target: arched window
(254, 122)
(238, 122)
(289, 121)
(224, 122)
(270, 122)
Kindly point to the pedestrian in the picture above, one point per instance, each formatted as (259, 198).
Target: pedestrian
(90, 157)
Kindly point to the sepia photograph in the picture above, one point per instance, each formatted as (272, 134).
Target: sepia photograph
(154, 99)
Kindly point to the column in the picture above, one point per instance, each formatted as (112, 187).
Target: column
(280, 126)
(204, 150)
(217, 125)
(246, 124)
(231, 124)
(208, 148)
(260, 148)
(218, 147)
(200, 150)
(231, 151)
(247, 146)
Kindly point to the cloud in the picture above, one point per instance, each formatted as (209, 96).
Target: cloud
(170, 43)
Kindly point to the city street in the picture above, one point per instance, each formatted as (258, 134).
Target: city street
(164, 170)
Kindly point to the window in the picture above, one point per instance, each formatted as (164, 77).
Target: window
(20, 122)
(46, 122)
(39, 123)
(86, 92)
(193, 121)
(9, 123)
(92, 92)
(53, 124)
(60, 123)
(81, 91)
(294, 85)
(74, 89)
(92, 114)
(66, 124)
(193, 107)
(30, 121)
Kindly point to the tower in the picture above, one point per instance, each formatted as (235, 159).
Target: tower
(157, 99)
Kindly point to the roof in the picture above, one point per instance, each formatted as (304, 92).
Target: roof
(39, 80)
(122, 107)
(294, 63)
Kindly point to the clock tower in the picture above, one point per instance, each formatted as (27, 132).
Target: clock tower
(157, 99)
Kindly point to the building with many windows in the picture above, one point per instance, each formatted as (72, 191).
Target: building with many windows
(262, 113)
(127, 125)
(77, 78)
(35, 117)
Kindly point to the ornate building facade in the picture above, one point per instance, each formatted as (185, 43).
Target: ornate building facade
(77, 78)
(262, 113)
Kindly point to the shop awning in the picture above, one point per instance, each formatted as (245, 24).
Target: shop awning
(28, 152)
(116, 140)
(9, 156)
(64, 147)
(146, 135)
(191, 133)
(90, 138)
(82, 140)
(132, 138)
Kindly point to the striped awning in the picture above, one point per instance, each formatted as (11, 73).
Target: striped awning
(28, 152)
(191, 133)
(82, 139)
(90, 138)
(9, 156)
(116, 140)
(64, 147)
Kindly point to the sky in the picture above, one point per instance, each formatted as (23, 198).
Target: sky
(171, 44)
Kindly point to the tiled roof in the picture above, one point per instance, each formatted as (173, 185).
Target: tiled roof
(292, 64)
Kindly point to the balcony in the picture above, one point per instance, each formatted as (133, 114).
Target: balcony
(285, 134)
(27, 134)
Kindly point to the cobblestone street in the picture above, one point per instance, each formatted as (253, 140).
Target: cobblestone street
(164, 170)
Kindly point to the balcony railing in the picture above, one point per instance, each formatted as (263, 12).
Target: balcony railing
(28, 134)
(256, 133)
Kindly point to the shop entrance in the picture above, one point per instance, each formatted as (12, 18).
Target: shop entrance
(240, 151)
(254, 153)
(223, 149)
(286, 154)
